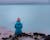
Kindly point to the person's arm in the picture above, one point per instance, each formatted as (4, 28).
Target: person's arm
(21, 26)
(15, 25)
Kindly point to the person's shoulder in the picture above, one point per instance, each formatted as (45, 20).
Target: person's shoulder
(21, 23)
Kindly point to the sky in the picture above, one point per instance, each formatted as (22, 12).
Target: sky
(23, 1)
(35, 18)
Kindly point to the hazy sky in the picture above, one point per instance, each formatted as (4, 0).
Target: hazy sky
(35, 18)
(23, 1)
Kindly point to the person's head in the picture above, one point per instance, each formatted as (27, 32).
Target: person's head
(18, 19)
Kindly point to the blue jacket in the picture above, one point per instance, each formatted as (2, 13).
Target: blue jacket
(18, 27)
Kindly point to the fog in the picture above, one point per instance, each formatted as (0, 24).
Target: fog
(35, 18)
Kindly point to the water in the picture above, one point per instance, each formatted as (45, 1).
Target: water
(35, 18)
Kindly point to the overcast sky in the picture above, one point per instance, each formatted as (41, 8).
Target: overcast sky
(23, 1)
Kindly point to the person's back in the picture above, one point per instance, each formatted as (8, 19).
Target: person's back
(18, 27)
